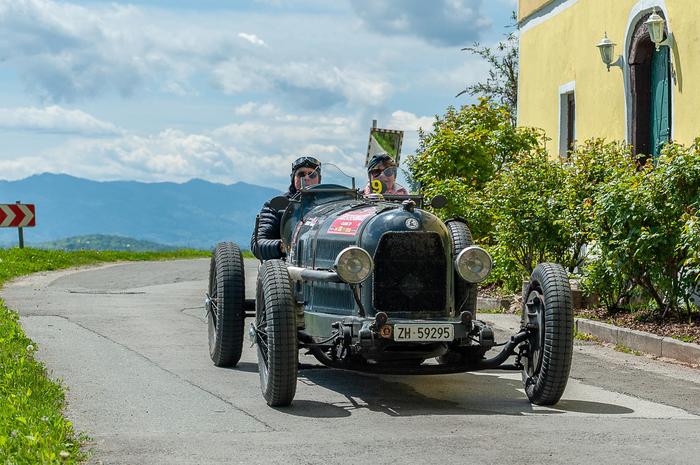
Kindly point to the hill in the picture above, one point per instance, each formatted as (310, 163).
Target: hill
(104, 242)
(195, 214)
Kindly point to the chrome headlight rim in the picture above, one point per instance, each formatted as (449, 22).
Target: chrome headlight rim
(485, 259)
(348, 276)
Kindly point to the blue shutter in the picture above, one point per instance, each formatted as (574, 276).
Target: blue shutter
(660, 101)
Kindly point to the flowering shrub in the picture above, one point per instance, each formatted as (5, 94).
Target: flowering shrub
(645, 226)
(630, 228)
(462, 153)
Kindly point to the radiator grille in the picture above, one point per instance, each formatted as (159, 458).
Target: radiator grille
(410, 273)
(327, 251)
(333, 298)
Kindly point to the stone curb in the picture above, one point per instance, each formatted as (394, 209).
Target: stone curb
(641, 341)
(493, 303)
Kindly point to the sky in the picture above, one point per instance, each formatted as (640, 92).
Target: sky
(227, 91)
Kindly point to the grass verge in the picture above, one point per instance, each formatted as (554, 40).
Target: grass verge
(32, 427)
(585, 337)
(626, 350)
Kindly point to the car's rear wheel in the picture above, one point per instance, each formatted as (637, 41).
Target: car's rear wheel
(548, 313)
(276, 334)
(225, 312)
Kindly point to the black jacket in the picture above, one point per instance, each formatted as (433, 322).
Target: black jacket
(268, 242)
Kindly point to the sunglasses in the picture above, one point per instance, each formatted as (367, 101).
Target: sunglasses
(388, 172)
(311, 175)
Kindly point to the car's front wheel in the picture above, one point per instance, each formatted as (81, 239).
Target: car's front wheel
(465, 293)
(276, 334)
(548, 314)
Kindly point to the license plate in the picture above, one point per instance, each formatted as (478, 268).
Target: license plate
(423, 333)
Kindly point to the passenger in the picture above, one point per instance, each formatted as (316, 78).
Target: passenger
(381, 171)
(306, 171)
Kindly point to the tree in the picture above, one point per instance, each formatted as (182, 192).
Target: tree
(502, 83)
(463, 152)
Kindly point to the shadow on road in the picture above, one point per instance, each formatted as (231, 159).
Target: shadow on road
(462, 394)
(459, 394)
(597, 408)
(315, 409)
(248, 367)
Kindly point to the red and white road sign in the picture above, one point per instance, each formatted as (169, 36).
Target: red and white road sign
(17, 215)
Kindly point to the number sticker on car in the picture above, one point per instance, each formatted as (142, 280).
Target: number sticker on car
(423, 333)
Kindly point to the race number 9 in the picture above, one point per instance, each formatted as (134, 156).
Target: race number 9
(377, 186)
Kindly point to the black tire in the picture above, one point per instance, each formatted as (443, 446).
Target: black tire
(225, 312)
(547, 309)
(465, 293)
(275, 319)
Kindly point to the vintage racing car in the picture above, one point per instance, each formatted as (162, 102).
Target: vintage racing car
(379, 284)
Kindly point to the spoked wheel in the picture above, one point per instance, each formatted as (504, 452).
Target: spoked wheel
(276, 334)
(548, 314)
(225, 312)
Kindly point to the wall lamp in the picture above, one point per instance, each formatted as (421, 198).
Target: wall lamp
(607, 52)
(655, 25)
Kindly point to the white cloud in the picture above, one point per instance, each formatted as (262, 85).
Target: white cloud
(54, 119)
(312, 85)
(439, 22)
(265, 110)
(166, 156)
(259, 150)
(408, 121)
(310, 90)
(470, 69)
(66, 52)
(252, 38)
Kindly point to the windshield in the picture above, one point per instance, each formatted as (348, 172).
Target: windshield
(333, 174)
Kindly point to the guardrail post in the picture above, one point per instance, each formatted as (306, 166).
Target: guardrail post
(21, 233)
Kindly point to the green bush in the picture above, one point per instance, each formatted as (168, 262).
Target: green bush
(524, 207)
(632, 229)
(591, 165)
(645, 226)
(690, 247)
(462, 153)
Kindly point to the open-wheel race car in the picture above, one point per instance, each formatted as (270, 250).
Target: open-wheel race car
(378, 284)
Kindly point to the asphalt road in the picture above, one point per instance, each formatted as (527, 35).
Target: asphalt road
(130, 343)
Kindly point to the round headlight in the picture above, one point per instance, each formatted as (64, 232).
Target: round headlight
(353, 265)
(473, 264)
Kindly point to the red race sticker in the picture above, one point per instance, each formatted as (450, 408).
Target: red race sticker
(348, 223)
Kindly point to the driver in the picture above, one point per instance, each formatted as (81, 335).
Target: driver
(306, 171)
(381, 171)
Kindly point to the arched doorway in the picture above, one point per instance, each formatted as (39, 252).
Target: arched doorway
(650, 84)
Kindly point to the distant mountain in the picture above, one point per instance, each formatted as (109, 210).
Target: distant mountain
(104, 242)
(195, 214)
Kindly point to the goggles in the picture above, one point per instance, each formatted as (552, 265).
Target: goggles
(388, 172)
(377, 159)
(309, 162)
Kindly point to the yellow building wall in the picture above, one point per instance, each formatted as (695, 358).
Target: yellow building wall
(562, 49)
(527, 7)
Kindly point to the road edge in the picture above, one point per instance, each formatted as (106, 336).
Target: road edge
(640, 341)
